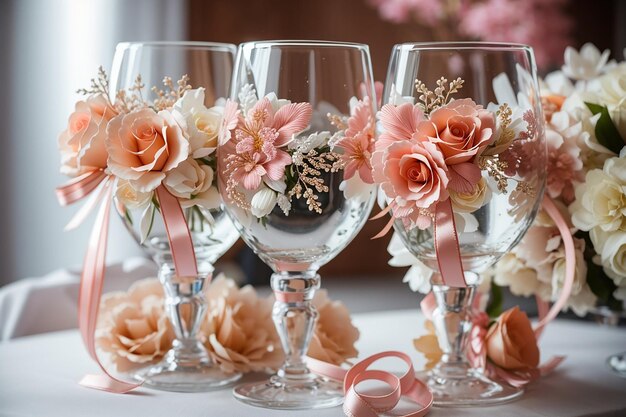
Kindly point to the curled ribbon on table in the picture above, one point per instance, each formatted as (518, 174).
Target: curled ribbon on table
(357, 404)
(477, 353)
(93, 274)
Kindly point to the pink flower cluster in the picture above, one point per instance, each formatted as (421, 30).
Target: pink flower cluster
(542, 24)
(418, 159)
(358, 142)
(259, 137)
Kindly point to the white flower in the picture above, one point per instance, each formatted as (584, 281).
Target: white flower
(512, 272)
(557, 83)
(357, 189)
(305, 144)
(188, 179)
(612, 249)
(418, 276)
(470, 202)
(586, 64)
(610, 90)
(284, 203)
(202, 124)
(263, 202)
(601, 199)
(129, 197)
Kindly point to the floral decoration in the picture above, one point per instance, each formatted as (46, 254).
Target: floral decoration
(134, 331)
(271, 157)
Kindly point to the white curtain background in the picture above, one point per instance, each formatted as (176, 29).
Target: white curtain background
(49, 49)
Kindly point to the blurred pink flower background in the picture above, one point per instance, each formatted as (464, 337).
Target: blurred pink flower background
(543, 24)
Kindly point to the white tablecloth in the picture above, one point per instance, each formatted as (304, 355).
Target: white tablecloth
(38, 376)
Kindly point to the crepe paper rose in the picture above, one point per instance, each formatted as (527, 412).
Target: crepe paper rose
(259, 137)
(82, 143)
(586, 64)
(334, 335)
(144, 145)
(511, 342)
(238, 331)
(472, 201)
(189, 179)
(129, 198)
(461, 129)
(202, 124)
(133, 328)
(414, 175)
(601, 199)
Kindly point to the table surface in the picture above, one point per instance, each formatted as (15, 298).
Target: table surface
(38, 377)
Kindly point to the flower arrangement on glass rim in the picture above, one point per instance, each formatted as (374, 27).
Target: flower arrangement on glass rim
(271, 159)
(169, 141)
(585, 134)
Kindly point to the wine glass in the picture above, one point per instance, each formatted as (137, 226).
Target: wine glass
(296, 180)
(187, 366)
(498, 135)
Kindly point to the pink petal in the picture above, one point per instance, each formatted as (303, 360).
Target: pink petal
(463, 177)
(276, 167)
(291, 119)
(400, 122)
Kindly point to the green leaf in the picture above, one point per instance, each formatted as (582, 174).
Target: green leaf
(606, 132)
(496, 301)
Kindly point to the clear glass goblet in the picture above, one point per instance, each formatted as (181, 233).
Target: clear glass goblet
(296, 188)
(187, 366)
(491, 217)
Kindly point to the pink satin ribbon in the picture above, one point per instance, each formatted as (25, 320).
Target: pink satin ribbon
(477, 353)
(93, 274)
(358, 404)
(447, 246)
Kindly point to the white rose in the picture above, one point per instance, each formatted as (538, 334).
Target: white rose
(263, 202)
(202, 124)
(130, 198)
(613, 257)
(600, 200)
(470, 202)
(512, 272)
(189, 179)
(610, 90)
(586, 64)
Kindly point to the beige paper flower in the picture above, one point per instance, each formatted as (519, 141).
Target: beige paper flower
(238, 331)
(133, 328)
(334, 335)
(429, 346)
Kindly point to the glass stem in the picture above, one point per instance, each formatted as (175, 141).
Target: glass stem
(186, 307)
(452, 323)
(294, 319)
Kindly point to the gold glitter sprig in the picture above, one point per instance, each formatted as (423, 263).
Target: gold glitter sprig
(432, 100)
(99, 85)
(309, 168)
(495, 168)
(170, 94)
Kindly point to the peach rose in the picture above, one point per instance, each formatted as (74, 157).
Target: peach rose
(462, 129)
(414, 174)
(133, 328)
(144, 145)
(334, 335)
(511, 342)
(82, 142)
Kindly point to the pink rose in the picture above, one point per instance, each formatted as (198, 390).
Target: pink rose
(413, 174)
(462, 129)
(143, 146)
(82, 142)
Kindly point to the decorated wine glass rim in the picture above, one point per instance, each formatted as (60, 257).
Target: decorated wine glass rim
(303, 42)
(219, 46)
(463, 45)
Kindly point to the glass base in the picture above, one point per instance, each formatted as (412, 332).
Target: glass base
(471, 389)
(291, 394)
(167, 376)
